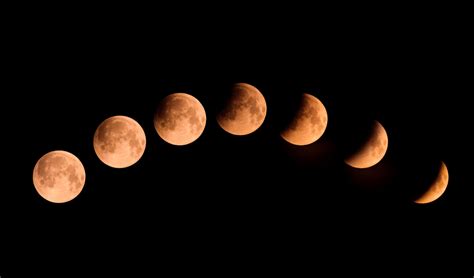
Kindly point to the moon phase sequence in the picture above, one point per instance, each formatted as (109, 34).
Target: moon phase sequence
(119, 141)
(180, 119)
(372, 151)
(309, 123)
(244, 112)
(59, 176)
(437, 188)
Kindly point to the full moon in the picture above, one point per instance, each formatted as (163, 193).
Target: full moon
(245, 110)
(309, 123)
(180, 119)
(372, 151)
(119, 141)
(59, 176)
(437, 188)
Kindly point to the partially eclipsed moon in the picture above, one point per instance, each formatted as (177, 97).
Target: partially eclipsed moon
(119, 141)
(437, 188)
(372, 151)
(180, 119)
(309, 123)
(245, 110)
(59, 176)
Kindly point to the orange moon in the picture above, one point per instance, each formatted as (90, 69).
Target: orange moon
(245, 110)
(59, 176)
(372, 151)
(309, 123)
(180, 119)
(119, 141)
(437, 188)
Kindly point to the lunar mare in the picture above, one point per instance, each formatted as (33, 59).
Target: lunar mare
(437, 188)
(119, 141)
(372, 151)
(59, 176)
(180, 119)
(245, 110)
(309, 123)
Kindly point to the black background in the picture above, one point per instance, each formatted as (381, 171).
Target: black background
(255, 197)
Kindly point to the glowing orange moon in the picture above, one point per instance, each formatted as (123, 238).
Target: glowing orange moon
(245, 110)
(59, 176)
(180, 119)
(437, 188)
(119, 141)
(309, 123)
(372, 151)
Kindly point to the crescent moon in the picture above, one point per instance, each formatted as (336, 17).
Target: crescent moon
(372, 151)
(437, 188)
(309, 123)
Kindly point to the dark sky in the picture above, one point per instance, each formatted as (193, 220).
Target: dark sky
(223, 192)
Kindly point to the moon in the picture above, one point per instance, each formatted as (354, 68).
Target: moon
(180, 119)
(372, 151)
(119, 141)
(59, 176)
(309, 123)
(437, 188)
(245, 110)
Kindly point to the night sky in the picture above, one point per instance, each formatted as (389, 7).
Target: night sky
(253, 195)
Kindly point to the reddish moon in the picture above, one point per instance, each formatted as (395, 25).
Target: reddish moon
(245, 110)
(59, 176)
(372, 151)
(180, 119)
(309, 123)
(437, 188)
(119, 141)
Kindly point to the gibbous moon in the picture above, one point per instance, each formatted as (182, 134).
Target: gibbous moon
(309, 123)
(437, 188)
(59, 176)
(245, 110)
(372, 151)
(180, 119)
(119, 141)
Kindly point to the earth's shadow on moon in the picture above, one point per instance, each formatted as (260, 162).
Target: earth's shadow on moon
(292, 106)
(354, 133)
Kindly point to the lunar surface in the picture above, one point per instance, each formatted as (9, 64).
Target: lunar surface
(59, 176)
(180, 119)
(245, 110)
(437, 188)
(372, 151)
(309, 123)
(119, 141)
